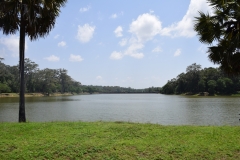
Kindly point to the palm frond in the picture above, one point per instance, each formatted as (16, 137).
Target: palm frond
(39, 16)
(224, 28)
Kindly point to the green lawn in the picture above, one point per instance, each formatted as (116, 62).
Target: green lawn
(117, 140)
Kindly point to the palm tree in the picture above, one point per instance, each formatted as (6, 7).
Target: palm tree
(32, 18)
(222, 29)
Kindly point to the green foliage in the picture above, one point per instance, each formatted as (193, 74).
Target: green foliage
(196, 80)
(117, 89)
(117, 140)
(170, 87)
(221, 85)
(4, 88)
(46, 81)
(13, 14)
(49, 81)
(222, 29)
(211, 86)
(201, 85)
(229, 86)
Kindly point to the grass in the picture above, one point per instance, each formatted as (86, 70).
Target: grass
(117, 140)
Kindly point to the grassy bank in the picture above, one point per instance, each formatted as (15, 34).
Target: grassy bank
(102, 140)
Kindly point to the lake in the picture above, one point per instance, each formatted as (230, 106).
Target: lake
(140, 108)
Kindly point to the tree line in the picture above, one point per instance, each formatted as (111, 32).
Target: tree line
(48, 81)
(117, 89)
(45, 81)
(198, 80)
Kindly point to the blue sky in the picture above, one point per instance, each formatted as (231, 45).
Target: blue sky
(135, 44)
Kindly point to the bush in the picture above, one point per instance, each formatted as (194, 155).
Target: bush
(4, 88)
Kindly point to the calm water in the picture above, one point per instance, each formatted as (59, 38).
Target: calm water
(142, 108)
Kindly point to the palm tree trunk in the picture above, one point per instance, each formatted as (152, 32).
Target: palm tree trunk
(22, 116)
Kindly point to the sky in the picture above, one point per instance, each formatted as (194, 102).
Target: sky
(137, 44)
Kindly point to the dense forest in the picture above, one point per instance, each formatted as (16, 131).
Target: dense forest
(48, 81)
(45, 81)
(197, 80)
(117, 89)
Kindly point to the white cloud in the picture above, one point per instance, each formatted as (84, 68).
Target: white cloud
(85, 33)
(62, 44)
(148, 25)
(177, 52)
(11, 43)
(145, 27)
(116, 55)
(113, 16)
(118, 31)
(185, 26)
(157, 49)
(52, 58)
(132, 50)
(85, 9)
(123, 42)
(116, 15)
(75, 58)
(99, 78)
(56, 37)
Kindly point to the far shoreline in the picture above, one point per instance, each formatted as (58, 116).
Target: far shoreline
(198, 95)
(13, 95)
(40, 94)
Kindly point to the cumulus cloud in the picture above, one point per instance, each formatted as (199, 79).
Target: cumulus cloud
(116, 55)
(85, 9)
(145, 27)
(123, 42)
(133, 50)
(62, 44)
(85, 33)
(118, 31)
(11, 43)
(177, 52)
(185, 26)
(157, 49)
(52, 58)
(75, 58)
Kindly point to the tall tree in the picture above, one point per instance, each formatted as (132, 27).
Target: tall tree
(64, 80)
(49, 80)
(193, 76)
(32, 18)
(30, 70)
(222, 28)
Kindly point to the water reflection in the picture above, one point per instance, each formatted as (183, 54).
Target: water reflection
(143, 108)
